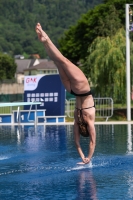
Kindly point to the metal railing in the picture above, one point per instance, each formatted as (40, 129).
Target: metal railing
(104, 107)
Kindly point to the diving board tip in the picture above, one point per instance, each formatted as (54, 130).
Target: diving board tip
(19, 104)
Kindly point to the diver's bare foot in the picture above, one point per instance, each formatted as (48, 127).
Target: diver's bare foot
(41, 34)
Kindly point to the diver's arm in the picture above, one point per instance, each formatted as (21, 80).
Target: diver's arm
(92, 143)
(80, 151)
(77, 142)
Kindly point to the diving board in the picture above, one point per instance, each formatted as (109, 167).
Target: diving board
(21, 116)
(19, 104)
(30, 116)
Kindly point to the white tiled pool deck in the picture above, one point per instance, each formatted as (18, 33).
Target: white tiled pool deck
(69, 123)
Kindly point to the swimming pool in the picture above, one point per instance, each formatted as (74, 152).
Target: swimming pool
(41, 164)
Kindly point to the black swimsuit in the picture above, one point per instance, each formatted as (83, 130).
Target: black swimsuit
(82, 125)
(82, 95)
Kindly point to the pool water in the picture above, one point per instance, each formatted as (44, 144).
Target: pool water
(41, 164)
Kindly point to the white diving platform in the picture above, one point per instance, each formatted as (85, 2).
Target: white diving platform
(19, 104)
(30, 116)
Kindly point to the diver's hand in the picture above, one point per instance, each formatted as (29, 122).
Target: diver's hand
(86, 160)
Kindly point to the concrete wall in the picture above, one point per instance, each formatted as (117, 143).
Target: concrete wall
(11, 88)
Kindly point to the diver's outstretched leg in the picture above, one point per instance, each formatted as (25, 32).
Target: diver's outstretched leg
(71, 76)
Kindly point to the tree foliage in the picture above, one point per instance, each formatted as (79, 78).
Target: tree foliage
(7, 67)
(106, 66)
(18, 20)
(101, 30)
(104, 20)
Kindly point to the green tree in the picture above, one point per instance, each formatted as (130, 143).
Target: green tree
(7, 67)
(18, 20)
(106, 65)
(103, 20)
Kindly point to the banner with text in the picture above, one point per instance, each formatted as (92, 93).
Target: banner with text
(49, 90)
